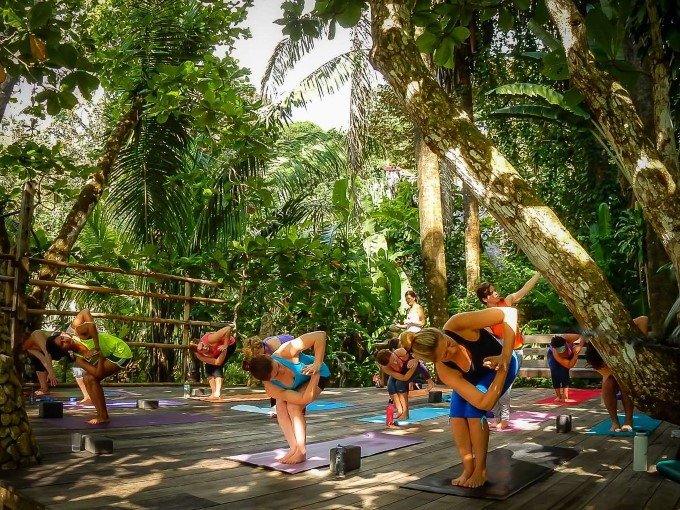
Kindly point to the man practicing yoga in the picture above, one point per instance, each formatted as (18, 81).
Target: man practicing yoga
(472, 362)
(99, 354)
(214, 349)
(294, 379)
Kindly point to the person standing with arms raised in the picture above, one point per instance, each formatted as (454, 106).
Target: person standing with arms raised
(488, 295)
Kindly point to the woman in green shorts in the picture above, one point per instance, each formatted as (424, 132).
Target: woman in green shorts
(99, 354)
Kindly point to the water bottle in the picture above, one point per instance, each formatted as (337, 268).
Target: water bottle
(340, 461)
(31, 397)
(389, 413)
(187, 390)
(640, 452)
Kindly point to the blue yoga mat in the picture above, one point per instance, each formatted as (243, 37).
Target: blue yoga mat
(669, 468)
(641, 423)
(314, 406)
(415, 415)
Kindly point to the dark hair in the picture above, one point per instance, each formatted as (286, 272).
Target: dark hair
(593, 358)
(259, 366)
(557, 341)
(483, 291)
(383, 356)
(53, 349)
(412, 294)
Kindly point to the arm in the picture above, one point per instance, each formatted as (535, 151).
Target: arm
(299, 397)
(38, 339)
(485, 401)
(516, 296)
(568, 363)
(401, 377)
(212, 361)
(222, 334)
(316, 339)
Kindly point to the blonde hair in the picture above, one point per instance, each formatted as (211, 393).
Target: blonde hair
(252, 344)
(423, 344)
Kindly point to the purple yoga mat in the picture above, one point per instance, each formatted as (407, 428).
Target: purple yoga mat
(525, 420)
(371, 443)
(124, 404)
(145, 419)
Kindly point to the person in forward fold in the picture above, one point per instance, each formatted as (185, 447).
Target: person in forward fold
(562, 356)
(214, 349)
(488, 295)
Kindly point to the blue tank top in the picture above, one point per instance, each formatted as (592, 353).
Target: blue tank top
(487, 345)
(296, 368)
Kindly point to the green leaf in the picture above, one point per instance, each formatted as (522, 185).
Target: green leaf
(53, 106)
(340, 198)
(674, 39)
(506, 21)
(522, 5)
(427, 42)
(123, 263)
(573, 97)
(460, 34)
(69, 55)
(555, 66)
(443, 56)
(40, 14)
(350, 16)
(67, 99)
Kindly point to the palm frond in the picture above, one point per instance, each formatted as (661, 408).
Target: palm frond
(544, 92)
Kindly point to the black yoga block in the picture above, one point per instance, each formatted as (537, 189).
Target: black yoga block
(197, 392)
(147, 404)
(563, 423)
(51, 410)
(351, 458)
(97, 444)
(434, 397)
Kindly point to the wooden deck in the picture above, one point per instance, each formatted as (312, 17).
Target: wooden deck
(182, 466)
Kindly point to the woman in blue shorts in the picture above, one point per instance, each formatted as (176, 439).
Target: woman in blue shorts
(479, 369)
(294, 379)
(401, 367)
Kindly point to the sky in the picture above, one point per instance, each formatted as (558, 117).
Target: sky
(253, 53)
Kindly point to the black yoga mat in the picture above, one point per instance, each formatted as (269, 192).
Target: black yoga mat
(510, 469)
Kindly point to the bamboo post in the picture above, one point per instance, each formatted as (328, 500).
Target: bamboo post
(21, 264)
(186, 331)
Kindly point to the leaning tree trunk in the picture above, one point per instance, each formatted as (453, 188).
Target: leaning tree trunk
(654, 180)
(431, 232)
(85, 202)
(18, 447)
(6, 90)
(651, 373)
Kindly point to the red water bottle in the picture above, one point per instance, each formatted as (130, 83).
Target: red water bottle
(389, 413)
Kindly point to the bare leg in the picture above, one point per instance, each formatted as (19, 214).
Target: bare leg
(218, 387)
(44, 387)
(86, 397)
(628, 408)
(558, 393)
(461, 436)
(286, 426)
(96, 392)
(566, 392)
(479, 436)
(404, 397)
(396, 398)
(211, 382)
(300, 431)
(218, 335)
(609, 387)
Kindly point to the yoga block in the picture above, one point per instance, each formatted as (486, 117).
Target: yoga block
(563, 423)
(147, 404)
(198, 392)
(434, 397)
(51, 410)
(77, 442)
(97, 444)
(351, 459)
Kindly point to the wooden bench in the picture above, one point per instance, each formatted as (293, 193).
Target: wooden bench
(535, 362)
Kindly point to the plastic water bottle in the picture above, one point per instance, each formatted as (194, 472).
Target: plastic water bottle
(389, 413)
(340, 461)
(187, 390)
(640, 452)
(31, 397)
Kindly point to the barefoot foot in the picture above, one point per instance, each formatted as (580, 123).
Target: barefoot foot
(476, 480)
(284, 459)
(460, 481)
(627, 428)
(85, 402)
(297, 458)
(98, 421)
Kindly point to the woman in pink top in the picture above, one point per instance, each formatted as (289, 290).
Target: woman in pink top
(214, 349)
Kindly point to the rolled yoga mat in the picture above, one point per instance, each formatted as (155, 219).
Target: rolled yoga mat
(313, 407)
(371, 443)
(141, 419)
(416, 414)
(641, 423)
(510, 470)
(575, 397)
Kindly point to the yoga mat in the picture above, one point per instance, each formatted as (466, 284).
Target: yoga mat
(145, 419)
(123, 404)
(313, 407)
(121, 393)
(525, 420)
(234, 398)
(669, 468)
(641, 423)
(371, 443)
(510, 470)
(416, 415)
(575, 397)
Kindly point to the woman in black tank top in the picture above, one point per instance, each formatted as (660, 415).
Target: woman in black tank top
(467, 358)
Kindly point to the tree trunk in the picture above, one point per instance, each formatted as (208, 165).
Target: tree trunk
(6, 91)
(431, 232)
(654, 182)
(650, 373)
(80, 211)
(18, 447)
(472, 244)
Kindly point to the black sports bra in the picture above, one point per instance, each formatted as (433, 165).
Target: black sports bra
(487, 345)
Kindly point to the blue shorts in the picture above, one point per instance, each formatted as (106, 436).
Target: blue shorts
(214, 370)
(395, 386)
(560, 377)
(461, 408)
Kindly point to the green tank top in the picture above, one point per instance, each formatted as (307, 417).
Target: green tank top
(109, 344)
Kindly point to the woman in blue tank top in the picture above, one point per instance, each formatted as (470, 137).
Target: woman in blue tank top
(479, 369)
(295, 380)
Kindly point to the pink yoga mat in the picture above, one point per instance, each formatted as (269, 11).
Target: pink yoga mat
(575, 396)
(143, 419)
(371, 443)
(124, 404)
(525, 420)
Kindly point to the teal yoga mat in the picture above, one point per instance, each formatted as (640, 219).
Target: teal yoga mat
(670, 469)
(415, 415)
(313, 407)
(641, 423)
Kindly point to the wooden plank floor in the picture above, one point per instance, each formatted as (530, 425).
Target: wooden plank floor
(183, 467)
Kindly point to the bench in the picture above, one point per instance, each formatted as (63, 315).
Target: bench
(535, 363)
